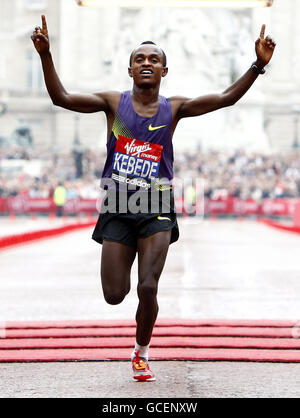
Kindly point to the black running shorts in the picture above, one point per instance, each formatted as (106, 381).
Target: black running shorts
(127, 228)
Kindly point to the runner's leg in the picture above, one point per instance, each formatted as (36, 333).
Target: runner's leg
(152, 253)
(116, 263)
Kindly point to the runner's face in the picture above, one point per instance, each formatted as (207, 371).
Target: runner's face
(147, 67)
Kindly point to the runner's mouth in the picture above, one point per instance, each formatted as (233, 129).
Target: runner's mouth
(146, 72)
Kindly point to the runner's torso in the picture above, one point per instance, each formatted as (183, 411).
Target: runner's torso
(140, 147)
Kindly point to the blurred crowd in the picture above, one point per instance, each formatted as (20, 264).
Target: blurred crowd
(238, 173)
(243, 175)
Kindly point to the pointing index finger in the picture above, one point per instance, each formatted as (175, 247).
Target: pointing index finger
(44, 23)
(262, 32)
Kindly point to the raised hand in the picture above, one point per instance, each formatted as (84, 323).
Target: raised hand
(40, 37)
(264, 48)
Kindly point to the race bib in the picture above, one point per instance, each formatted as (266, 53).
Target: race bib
(136, 162)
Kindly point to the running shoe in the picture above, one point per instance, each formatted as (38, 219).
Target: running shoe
(141, 371)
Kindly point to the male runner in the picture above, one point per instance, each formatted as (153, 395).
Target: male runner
(140, 126)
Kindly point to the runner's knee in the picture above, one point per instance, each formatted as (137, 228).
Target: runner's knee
(114, 298)
(147, 290)
(115, 288)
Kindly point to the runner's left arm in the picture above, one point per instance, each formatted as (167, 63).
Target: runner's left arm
(264, 48)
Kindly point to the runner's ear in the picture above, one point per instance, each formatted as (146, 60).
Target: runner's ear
(129, 72)
(165, 71)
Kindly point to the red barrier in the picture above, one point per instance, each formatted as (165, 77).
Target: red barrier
(3, 205)
(230, 206)
(235, 206)
(296, 215)
(17, 239)
(23, 204)
(279, 207)
(277, 225)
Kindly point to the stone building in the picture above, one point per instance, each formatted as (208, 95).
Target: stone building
(207, 49)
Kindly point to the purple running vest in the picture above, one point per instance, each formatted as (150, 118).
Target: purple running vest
(133, 157)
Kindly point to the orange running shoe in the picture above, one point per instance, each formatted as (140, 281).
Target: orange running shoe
(141, 371)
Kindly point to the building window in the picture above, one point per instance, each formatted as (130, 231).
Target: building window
(34, 72)
(36, 4)
(6, 15)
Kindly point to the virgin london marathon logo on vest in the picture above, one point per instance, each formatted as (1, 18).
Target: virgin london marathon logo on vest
(136, 162)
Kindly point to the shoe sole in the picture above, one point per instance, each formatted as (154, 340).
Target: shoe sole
(150, 379)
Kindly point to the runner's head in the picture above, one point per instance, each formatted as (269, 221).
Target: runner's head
(147, 65)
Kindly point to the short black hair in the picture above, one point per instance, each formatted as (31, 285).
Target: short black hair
(149, 43)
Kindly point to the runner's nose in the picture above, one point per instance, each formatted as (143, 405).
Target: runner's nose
(147, 62)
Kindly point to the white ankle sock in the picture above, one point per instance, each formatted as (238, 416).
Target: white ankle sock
(143, 351)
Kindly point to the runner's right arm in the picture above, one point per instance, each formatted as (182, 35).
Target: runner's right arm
(85, 103)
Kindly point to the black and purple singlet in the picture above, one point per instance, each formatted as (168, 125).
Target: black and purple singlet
(140, 149)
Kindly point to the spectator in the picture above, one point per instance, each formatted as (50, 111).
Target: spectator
(59, 197)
